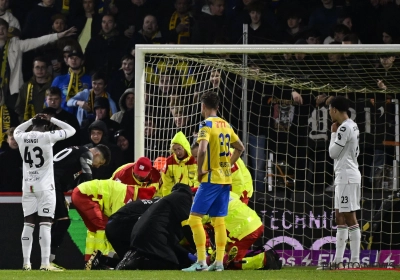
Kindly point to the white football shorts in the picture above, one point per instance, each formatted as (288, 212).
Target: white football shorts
(42, 202)
(347, 197)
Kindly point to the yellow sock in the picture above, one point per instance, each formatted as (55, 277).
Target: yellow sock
(199, 237)
(220, 237)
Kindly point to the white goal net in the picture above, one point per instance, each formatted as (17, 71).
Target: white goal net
(274, 97)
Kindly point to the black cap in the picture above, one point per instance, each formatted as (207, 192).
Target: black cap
(122, 132)
(76, 53)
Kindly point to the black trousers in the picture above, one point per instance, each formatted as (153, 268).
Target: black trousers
(118, 233)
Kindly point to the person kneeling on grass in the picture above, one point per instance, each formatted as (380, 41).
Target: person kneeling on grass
(95, 201)
(118, 233)
(156, 235)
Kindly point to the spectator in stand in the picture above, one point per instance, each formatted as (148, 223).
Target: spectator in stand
(33, 93)
(53, 102)
(183, 122)
(126, 117)
(99, 135)
(259, 30)
(10, 164)
(124, 138)
(339, 32)
(312, 37)
(104, 51)
(14, 28)
(345, 19)
(211, 27)
(324, 17)
(38, 20)
(75, 81)
(149, 34)
(390, 35)
(180, 23)
(155, 145)
(350, 39)
(88, 24)
(295, 29)
(131, 15)
(52, 51)
(85, 99)
(102, 112)
(11, 77)
(124, 78)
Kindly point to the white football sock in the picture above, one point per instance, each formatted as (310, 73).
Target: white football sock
(45, 241)
(355, 239)
(342, 234)
(26, 240)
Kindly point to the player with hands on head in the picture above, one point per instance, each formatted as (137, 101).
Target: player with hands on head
(38, 190)
(344, 149)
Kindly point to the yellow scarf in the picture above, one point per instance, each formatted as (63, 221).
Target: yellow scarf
(29, 108)
(75, 84)
(65, 7)
(5, 121)
(173, 23)
(92, 98)
(4, 114)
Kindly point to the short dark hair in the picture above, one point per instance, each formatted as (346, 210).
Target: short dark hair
(39, 121)
(340, 103)
(109, 15)
(53, 91)
(99, 76)
(105, 151)
(210, 99)
(341, 28)
(127, 56)
(353, 38)
(40, 59)
(4, 23)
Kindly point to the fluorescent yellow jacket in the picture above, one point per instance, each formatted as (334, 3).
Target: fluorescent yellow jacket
(247, 180)
(241, 178)
(111, 195)
(241, 219)
(179, 171)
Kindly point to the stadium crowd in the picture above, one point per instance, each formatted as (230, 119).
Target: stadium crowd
(74, 60)
(88, 78)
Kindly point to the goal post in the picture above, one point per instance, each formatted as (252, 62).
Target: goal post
(269, 94)
(142, 50)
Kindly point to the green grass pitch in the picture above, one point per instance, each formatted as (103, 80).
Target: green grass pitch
(297, 273)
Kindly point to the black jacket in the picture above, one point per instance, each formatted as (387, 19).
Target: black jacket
(10, 170)
(158, 231)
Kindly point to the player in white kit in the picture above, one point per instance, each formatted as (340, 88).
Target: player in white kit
(38, 192)
(344, 149)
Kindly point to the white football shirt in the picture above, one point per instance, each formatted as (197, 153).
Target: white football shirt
(344, 149)
(36, 149)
